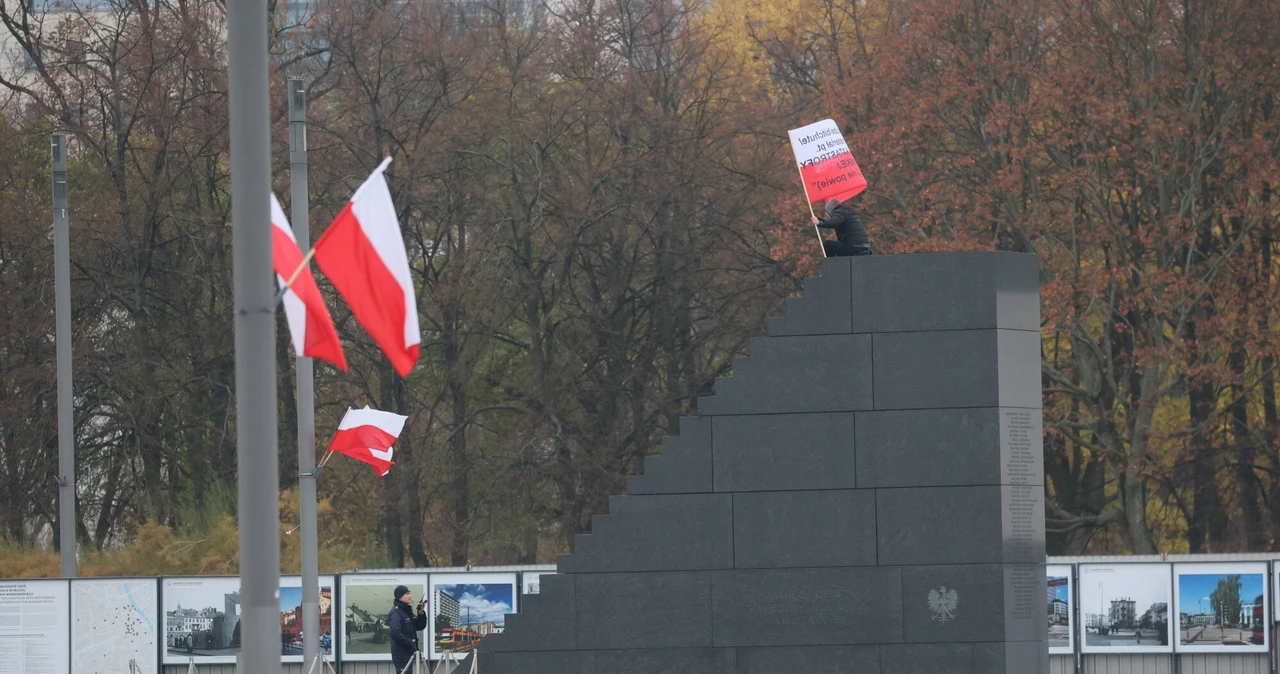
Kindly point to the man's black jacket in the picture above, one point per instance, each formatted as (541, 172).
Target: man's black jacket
(404, 627)
(848, 226)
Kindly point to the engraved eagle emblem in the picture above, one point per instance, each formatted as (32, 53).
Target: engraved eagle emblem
(942, 603)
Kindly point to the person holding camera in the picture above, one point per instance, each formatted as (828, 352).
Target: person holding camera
(404, 626)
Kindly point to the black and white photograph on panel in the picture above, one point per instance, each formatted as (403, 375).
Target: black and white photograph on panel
(1061, 617)
(531, 581)
(366, 604)
(201, 619)
(466, 607)
(1126, 608)
(114, 621)
(1221, 607)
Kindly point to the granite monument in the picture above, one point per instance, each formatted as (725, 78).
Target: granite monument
(863, 496)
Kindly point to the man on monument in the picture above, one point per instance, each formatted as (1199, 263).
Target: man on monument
(851, 235)
(404, 627)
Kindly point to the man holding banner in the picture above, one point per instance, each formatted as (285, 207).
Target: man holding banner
(829, 173)
(851, 236)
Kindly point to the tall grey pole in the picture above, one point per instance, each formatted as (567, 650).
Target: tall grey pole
(306, 387)
(62, 336)
(259, 507)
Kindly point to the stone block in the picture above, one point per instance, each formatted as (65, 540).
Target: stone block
(543, 619)
(643, 610)
(784, 529)
(1022, 524)
(546, 662)
(822, 373)
(665, 532)
(1019, 362)
(821, 310)
(925, 448)
(784, 452)
(927, 659)
(946, 291)
(1021, 446)
(960, 525)
(973, 603)
(961, 368)
(1011, 657)
(667, 661)
(684, 467)
(965, 658)
(950, 447)
(810, 660)
(803, 607)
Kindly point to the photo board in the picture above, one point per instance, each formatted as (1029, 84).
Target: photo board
(34, 622)
(201, 619)
(366, 602)
(291, 633)
(1061, 615)
(113, 621)
(531, 583)
(1221, 607)
(466, 607)
(1125, 608)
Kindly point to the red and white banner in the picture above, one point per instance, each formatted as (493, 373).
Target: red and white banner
(367, 435)
(310, 326)
(363, 254)
(827, 168)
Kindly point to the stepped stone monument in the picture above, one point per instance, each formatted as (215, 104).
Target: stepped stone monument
(863, 496)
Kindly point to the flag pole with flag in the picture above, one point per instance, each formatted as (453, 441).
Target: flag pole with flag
(311, 328)
(367, 435)
(827, 167)
(364, 256)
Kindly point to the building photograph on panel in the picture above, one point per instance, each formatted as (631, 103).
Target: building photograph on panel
(291, 634)
(466, 607)
(1126, 608)
(1221, 607)
(114, 622)
(201, 619)
(1061, 617)
(366, 603)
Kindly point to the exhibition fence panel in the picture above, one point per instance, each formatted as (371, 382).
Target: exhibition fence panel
(1210, 614)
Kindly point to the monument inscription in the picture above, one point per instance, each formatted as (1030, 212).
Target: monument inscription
(1020, 460)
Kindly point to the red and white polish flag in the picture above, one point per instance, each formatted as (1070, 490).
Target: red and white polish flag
(363, 254)
(310, 327)
(827, 168)
(367, 435)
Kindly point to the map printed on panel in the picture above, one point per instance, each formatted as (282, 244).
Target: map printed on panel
(113, 621)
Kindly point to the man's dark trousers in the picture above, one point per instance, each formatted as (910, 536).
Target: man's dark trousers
(840, 249)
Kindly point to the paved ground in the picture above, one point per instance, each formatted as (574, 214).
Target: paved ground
(1212, 634)
(1124, 638)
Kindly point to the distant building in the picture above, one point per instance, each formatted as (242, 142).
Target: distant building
(448, 607)
(232, 617)
(485, 628)
(1058, 609)
(1123, 612)
(1197, 619)
(189, 620)
(1095, 620)
(1157, 614)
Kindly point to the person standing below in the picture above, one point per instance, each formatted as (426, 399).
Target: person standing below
(404, 626)
(851, 235)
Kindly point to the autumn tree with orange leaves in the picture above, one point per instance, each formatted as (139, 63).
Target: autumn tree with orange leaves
(601, 209)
